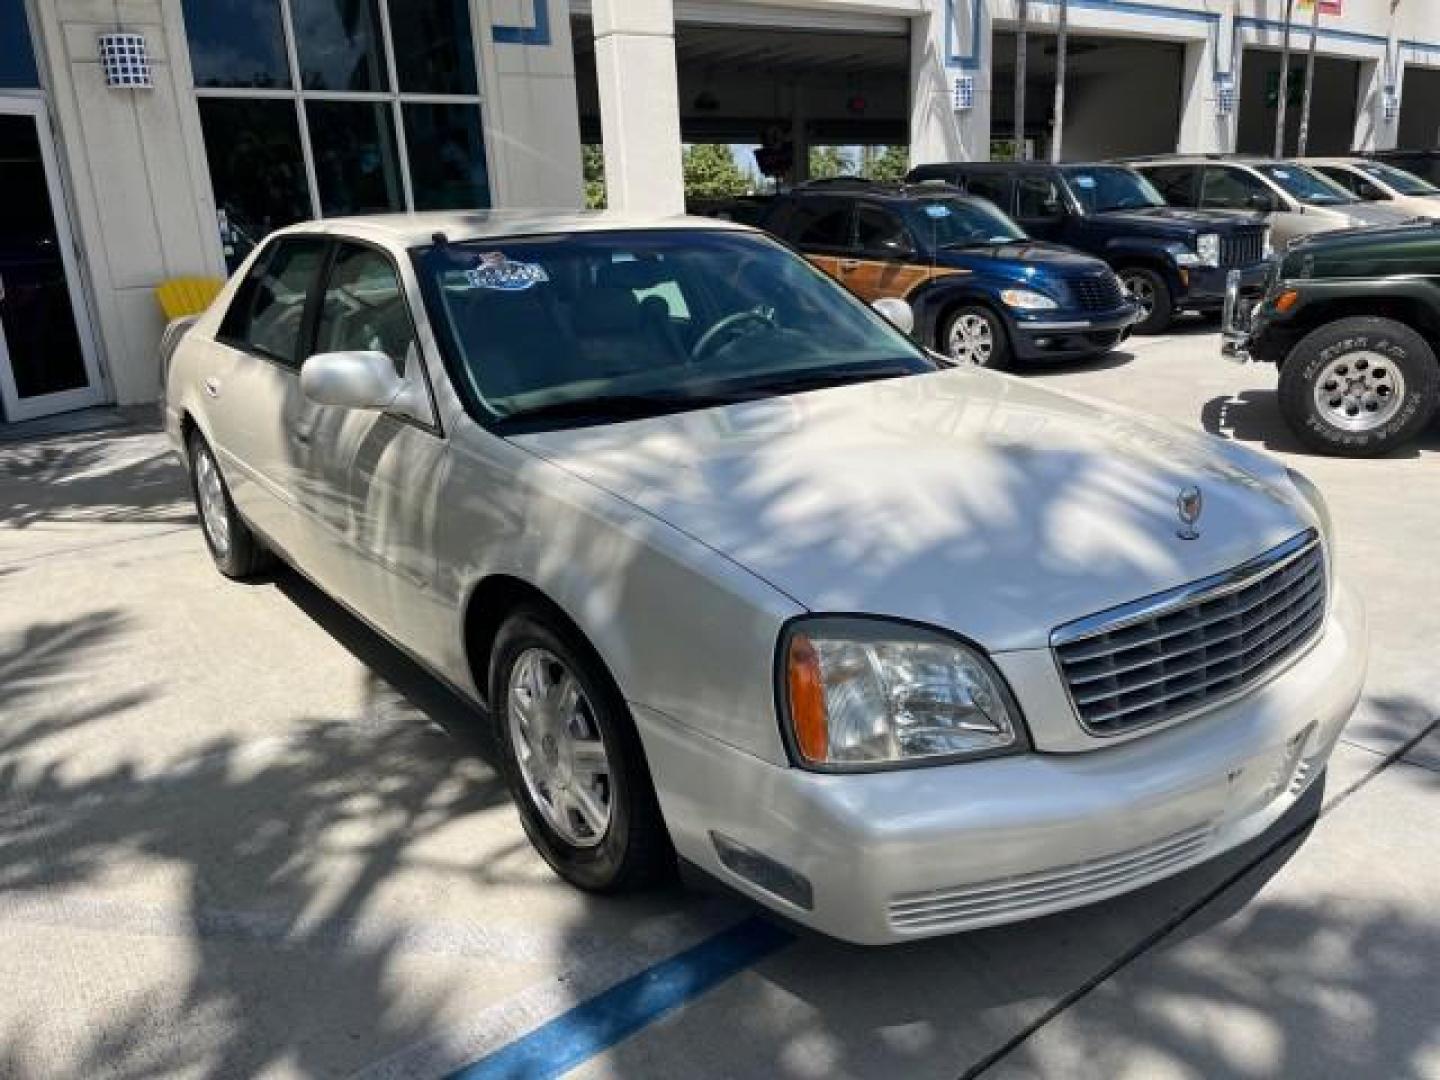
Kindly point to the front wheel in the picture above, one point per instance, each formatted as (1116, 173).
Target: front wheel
(237, 551)
(975, 335)
(573, 759)
(1157, 307)
(1359, 387)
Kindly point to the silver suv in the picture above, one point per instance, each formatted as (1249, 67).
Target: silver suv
(1292, 199)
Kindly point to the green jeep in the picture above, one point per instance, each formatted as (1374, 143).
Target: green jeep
(1352, 319)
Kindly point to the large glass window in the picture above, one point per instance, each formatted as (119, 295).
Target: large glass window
(338, 42)
(236, 43)
(17, 55)
(256, 167)
(318, 108)
(432, 48)
(356, 164)
(451, 173)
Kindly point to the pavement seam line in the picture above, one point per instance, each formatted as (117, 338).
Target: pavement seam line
(1160, 933)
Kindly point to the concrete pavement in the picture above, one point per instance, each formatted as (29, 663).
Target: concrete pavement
(241, 836)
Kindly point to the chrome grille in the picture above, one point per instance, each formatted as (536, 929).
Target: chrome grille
(1242, 248)
(1173, 654)
(1099, 293)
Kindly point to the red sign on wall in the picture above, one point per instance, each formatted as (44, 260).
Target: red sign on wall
(1327, 7)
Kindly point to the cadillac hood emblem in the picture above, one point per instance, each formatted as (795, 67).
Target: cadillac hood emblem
(1189, 504)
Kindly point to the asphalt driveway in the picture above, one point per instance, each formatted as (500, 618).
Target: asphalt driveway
(241, 836)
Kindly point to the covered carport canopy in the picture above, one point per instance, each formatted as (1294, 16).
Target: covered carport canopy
(1122, 94)
(752, 75)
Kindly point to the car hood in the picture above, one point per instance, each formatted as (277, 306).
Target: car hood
(961, 498)
(1170, 220)
(1021, 256)
(1363, 214)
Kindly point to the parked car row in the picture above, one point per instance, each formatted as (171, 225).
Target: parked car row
(1015, 263)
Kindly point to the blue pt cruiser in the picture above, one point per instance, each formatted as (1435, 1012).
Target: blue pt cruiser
(981, 291)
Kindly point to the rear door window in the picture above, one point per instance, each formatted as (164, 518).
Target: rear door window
(267, 314)
(1038, 196)
(1234, 189)
(1179, 184)
(992, 186)
(881, 232)
(821, 225)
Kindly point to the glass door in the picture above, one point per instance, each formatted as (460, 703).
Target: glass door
(47, 352)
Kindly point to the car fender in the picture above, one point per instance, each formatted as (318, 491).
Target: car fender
(932, 300)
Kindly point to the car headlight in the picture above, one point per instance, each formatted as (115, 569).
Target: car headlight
(1026, 300)
(1268, 246)
(1207, 246)
(862, 694)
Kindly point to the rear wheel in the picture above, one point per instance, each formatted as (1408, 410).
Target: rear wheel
(573, 759)
(237, 551)
(1359, 386)
(1156, 304)
(975, 335)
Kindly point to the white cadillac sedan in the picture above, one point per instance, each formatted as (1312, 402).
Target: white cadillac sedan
(742, 574)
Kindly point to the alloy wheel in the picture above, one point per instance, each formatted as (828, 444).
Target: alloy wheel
(214, 514)
(972, 340)
(1359, 391)
(559, 749)
(1143, 290)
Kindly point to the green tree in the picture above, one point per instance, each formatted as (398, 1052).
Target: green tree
(828, 161)
(886, 163)
(592, 165)
(711, 172)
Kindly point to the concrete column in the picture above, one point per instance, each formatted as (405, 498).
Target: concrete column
(1372, 130)
(135, 165)
(1202, 129)
(639, 104)
(941, 49)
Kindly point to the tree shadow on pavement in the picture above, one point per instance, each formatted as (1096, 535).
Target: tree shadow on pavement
(115, 476)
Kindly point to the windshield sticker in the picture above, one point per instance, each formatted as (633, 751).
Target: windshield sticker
(937, 210)
(1086, 182)
(1280, 174)
(497, 272)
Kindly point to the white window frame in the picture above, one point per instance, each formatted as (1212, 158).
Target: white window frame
(394, 97)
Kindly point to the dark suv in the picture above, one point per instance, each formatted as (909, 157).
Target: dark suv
(980, 290)
(1170, 260)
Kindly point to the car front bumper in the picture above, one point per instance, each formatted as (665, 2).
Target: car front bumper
(1066, 336)
(1205, 290)
(898, 855)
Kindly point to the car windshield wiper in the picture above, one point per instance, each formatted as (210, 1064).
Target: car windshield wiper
(796, 382)
(608, 407)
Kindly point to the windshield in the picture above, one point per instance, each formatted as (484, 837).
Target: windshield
(1306, 185)
(1403, 182)
(1112, 188)
(591, 327)
(950, 223)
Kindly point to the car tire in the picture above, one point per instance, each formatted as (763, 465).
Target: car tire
(1359, 387)
(548, 755)
(237, 551)
(975, 335)
(1150, 289)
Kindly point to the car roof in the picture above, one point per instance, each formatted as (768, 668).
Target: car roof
(846, 187)
(417, 229)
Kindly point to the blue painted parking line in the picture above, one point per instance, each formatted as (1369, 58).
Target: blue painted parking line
(598, 1024)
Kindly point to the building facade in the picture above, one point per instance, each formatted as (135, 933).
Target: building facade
(144, 140)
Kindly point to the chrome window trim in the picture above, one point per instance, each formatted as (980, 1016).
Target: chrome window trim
(1217, 585)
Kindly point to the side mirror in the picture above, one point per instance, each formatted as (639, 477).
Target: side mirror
(1262, 202)
(896, 312)
(1050, 208)
(351, 380)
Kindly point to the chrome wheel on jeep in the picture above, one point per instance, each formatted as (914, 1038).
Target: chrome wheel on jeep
(1359, 386)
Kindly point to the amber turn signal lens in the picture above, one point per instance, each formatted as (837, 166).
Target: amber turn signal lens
(1286, 300)
(807, 699)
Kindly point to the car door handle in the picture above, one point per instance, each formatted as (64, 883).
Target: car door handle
(212, 387)
(849, 264)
